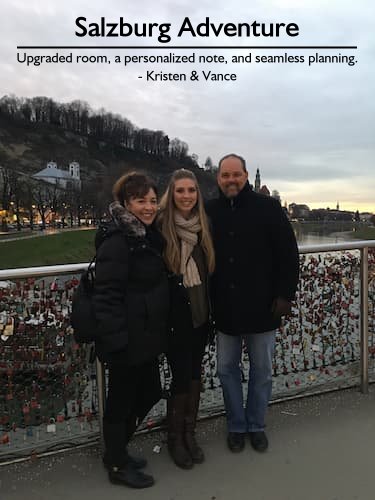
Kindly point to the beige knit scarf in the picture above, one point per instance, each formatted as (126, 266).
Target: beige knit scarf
(187, 230)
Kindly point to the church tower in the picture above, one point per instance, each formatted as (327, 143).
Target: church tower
(257, 181)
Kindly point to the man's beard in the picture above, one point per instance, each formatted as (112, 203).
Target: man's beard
(229, 193)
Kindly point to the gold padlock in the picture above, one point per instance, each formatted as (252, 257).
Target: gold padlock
(9, 327)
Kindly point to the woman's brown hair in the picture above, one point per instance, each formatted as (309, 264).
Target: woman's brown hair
(132, 185)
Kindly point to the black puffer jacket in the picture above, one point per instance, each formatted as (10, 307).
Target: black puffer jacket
(256, 261)
(131, 297)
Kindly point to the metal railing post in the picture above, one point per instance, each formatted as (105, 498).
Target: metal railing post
(100, 384)
(364, 320)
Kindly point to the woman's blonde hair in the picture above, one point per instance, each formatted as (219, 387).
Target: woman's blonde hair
(172, 252)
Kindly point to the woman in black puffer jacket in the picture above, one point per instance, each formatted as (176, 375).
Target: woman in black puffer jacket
(131, 301)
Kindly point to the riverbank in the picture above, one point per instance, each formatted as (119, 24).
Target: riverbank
(363, 233)
(75, 246)
(63, 248)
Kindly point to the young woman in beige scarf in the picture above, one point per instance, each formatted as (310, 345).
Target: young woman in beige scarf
(189, 256)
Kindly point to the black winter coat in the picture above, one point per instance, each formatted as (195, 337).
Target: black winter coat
(131, 296)
(256, 261)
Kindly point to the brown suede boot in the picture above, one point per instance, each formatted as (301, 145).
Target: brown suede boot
(194, 449)
(176, 423)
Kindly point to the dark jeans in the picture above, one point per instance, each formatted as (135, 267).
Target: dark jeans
(185, 358)
(260, 347)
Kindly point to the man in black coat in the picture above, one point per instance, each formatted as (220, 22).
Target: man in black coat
(255, 280)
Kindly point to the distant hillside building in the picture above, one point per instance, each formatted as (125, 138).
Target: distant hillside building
(326, 214)
(366, 216)
(264, 189)
(63, 178)
(299, 211)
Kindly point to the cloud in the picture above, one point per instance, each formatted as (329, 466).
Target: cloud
(302, 125)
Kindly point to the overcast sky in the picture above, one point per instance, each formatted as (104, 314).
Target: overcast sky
(310, 130)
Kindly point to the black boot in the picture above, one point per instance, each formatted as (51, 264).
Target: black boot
(192, 407)
(176, 423)
(116, 459)
(135, 462)
(129, 476)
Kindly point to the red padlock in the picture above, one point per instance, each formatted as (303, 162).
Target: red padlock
(4, 439)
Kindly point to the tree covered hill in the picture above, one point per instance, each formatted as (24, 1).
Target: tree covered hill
(36, 130)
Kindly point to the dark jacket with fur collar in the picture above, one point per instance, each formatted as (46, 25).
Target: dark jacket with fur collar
(131, 297)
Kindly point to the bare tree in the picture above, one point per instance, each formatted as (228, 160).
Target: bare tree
(40, 202)
(208, 165)
(178, 149)
(6, 191)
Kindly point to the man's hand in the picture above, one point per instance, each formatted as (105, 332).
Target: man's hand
(281, 307)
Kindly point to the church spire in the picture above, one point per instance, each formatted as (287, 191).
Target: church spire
(257, 181)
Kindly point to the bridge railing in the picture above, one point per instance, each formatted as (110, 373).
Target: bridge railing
(52, 391)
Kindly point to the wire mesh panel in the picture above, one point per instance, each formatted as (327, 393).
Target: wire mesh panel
(48, 394)
(47, 384)
(318, 347)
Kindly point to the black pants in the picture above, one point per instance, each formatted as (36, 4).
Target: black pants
(185, 358)
(132, 392)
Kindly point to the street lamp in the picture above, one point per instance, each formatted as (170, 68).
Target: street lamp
(33, 207)
(11, 212)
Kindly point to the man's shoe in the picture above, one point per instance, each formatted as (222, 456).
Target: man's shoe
(129, 476)
(259, 441)
(236, 441)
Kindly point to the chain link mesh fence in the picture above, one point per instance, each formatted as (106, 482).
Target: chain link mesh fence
(48, 392)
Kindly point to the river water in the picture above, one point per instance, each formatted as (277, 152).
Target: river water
(307, 235)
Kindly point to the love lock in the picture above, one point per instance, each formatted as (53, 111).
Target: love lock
(8, 330)
(51, 427)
